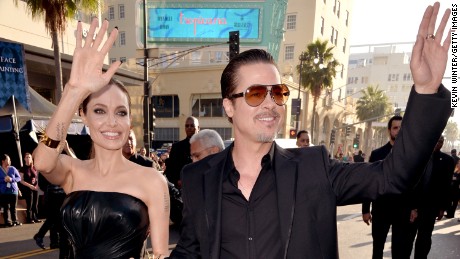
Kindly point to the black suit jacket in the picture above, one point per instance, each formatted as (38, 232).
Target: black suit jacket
(178, 158)
(309, 186)
(433, 191)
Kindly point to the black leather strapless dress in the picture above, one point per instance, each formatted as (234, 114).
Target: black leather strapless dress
(105, 224)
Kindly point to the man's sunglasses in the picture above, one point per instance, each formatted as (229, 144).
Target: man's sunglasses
(255, 94)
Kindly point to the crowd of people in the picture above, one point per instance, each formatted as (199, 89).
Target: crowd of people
(273, 202)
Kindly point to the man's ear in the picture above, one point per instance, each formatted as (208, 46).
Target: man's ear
(228, 107)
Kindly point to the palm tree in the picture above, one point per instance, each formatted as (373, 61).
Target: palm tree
(317, 71)
(56, 14)
(373, 104)
(451, 133)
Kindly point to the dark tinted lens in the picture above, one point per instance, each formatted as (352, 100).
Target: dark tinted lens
(280, 94)
(255, 95)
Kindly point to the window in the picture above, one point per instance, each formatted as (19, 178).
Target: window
(113, 60)
(336, 37)
(291, 21)
(123, 59)
(289, 52)
(121, 11)
(207, 105)
(122, 36)
(364, 80)
(341, 71)
(346, 19)
(166, 106)
(111, 12)
(322, 25)
(332, 34)
(225, 133)
(407, 77)
(335, 6)
(344, 45)
(167, 134)
(338, 9)
(393, 77)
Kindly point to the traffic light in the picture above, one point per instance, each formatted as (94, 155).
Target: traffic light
(356, 143)
(293, 133)
(332, 136)
(234, 44)
(347, 131)
(152, 117)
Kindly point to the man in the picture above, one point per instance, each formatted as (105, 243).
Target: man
(143, 151)
(453, 153)
(432, 199)
(389, 211)
(205, 143)
(359, 157)
(180, 152)
(129, 151)
(303, 139)
(258, 200)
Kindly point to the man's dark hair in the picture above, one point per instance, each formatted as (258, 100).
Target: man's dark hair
(301, 132)
(396, 117)
(229, 79)
(453, 151)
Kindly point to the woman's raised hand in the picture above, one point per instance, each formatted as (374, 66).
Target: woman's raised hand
(88, 58)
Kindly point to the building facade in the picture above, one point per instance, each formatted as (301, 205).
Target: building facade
(307, 21)
(187, 84)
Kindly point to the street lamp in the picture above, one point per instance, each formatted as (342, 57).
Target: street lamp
(146, 104)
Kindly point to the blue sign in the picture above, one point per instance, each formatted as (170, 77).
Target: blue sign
(202, 23)
(13, 74)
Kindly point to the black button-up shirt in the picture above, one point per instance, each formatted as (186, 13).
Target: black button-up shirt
(250, 228)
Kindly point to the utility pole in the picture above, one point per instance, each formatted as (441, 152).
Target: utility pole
(146, 103)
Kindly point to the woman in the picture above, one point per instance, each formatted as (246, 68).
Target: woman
(9, 178)
(29, 178)
(111, 202)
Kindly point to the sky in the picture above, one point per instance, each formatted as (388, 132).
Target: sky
(388, 21)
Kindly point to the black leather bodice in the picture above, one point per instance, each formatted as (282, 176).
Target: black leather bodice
(105, 224)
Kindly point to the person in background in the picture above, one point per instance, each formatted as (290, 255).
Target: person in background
(455, 190)
(143, 151)
(29, 179)
(9, 178)
(205, 143)
(129, 152)
(432, 200)
(358, 157)
(54, 198)
(303, 139)
(180, 152)
(453, 153)
(391, 211)
(112, 204)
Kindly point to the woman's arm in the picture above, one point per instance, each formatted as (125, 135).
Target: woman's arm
(158, 207)
(86, 77)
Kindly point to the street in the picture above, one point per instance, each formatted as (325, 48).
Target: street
(354, 238)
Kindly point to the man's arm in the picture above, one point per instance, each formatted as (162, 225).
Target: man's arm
(366, 206)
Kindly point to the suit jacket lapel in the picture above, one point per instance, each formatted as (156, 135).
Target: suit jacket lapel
(212, 192)
(286, 172)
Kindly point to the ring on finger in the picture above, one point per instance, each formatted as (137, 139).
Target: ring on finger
(430, 36)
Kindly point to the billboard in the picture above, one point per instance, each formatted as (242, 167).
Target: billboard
(203, 24)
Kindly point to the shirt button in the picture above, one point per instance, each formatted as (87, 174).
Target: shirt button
(250, 239)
